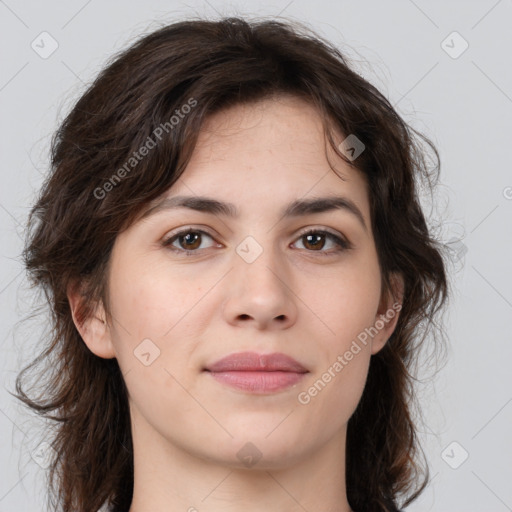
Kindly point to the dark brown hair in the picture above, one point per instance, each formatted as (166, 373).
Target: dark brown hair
(87, 200)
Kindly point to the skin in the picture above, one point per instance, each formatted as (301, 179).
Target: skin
(294, 298)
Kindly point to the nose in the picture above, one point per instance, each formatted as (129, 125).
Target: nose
(260, 293)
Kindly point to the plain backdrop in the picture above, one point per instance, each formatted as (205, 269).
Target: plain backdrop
(446, 67)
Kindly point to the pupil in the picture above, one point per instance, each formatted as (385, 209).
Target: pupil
(315, 244)
(188, 238)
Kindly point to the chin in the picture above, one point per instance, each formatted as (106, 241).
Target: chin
(263, 448)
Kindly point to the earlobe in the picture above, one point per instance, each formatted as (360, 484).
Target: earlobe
(388, 313)
(93, 329)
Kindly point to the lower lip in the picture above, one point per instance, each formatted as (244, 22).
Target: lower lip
(258, 382)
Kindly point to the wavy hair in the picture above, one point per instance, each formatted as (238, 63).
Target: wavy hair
(97, 187)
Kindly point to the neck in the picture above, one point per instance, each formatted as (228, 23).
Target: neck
(170, 478)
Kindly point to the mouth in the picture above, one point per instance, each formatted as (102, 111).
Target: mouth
(257, 373)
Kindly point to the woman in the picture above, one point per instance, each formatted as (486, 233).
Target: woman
(237, 265)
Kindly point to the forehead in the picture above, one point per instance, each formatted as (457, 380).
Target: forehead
(269, 152)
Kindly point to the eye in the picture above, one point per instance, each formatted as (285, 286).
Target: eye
(187, 240)
(315, 241)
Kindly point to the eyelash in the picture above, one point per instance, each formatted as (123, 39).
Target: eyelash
(342, 244)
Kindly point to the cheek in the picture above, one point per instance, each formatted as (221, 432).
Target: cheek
(153, 335)
(151, 301)
(347, 302)
(346, 305)
(335, 389)
(160, 312)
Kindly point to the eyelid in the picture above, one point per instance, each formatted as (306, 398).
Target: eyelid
(321, 229)
(166, 240)
(339, 239)
(343, 243)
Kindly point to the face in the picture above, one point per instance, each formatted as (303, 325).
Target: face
(191, 285)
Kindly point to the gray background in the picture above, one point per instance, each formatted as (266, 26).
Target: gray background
(463, 101)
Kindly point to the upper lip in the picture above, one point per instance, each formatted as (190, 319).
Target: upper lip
(253, 362)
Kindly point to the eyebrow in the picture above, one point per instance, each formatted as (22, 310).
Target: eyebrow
(298, 208)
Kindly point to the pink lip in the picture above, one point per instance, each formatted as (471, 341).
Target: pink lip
(257, 373)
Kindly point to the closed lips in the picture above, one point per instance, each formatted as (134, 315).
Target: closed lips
(251, 361)
(254, 373)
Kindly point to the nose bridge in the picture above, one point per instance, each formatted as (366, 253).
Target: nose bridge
(260, 289)
(259, 260)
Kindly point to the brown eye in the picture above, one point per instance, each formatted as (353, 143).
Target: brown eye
(315, 241)
(186, 240)
(190, 240)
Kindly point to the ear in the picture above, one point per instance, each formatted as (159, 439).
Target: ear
(94, 329)
(388, 313)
